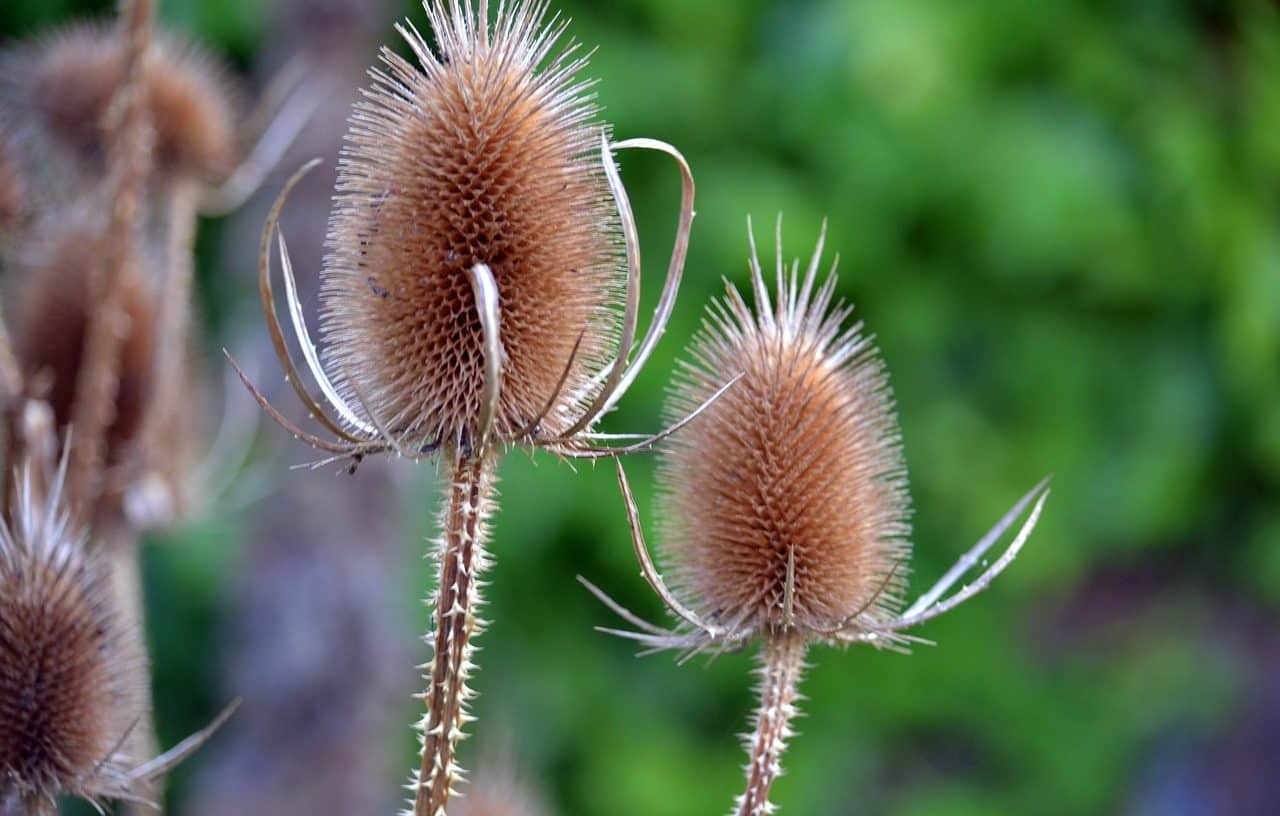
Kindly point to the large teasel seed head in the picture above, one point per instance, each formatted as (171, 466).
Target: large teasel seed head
(54, 311)
(66, 81)
(483, 154)
(66, 702)
(786, 501)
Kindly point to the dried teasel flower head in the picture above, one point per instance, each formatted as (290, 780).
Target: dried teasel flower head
(473, 289)
(483, 156)
(67, 81)
(54, 311)
(66, 703)
(787, 501)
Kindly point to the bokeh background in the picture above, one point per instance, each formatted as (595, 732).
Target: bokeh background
(1061, 222)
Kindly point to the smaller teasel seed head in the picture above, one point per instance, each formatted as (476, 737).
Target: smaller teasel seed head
(66, 702)
(786, 501)
(68, 80)
(482, 155)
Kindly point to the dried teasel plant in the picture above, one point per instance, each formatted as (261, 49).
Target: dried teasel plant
(69, 698)
(786, 503)
(473, 297)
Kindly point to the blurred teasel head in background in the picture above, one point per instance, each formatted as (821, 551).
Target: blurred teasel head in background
(63, 86)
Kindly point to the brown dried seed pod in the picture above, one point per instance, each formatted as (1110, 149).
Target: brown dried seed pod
(478, 157)
(67, 81)
(66, 703)
(53, 317)
(786, 501)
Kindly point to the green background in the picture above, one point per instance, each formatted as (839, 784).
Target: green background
(1060, 221)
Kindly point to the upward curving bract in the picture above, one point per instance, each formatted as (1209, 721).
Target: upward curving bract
(787, 503)
(485, 153)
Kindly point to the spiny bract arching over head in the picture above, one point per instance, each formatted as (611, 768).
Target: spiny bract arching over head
(786, 502)
(486, 154)
(65, 697)
(69, 79)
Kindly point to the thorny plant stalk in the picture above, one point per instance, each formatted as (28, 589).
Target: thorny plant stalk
(781, 664)
(129, 150)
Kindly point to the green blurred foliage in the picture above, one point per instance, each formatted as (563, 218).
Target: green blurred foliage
(1060, 221)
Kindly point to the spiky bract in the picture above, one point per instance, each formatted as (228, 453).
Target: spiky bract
(786, 502)
(66, 703)
(484, 155)
(66, 81)
(56, 308)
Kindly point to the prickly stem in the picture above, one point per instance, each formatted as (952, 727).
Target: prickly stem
(781, 665)
(462, 559)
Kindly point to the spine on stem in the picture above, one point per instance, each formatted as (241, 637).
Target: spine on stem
(781, 666)
(461, 561)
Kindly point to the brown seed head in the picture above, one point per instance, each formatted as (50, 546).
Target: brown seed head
(65, 698)
(786, 501)
(53, 316)
(68, 80)
(478, 157)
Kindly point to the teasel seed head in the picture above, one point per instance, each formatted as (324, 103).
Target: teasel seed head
(66, 701)
(786, 501)
(68, 79)
(55, 308)
(484, 154)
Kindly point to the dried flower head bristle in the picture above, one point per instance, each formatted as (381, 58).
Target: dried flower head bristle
(55, 310)
(66, 704)
(480, 157)
(69, 79)
(787, 500)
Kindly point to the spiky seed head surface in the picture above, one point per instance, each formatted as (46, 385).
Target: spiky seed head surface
(53, 317)
(786, 503)
(66, 702)
(485, 153)
(67, 81)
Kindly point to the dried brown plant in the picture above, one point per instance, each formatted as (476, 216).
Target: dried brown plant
(786, 503)
(474, 296)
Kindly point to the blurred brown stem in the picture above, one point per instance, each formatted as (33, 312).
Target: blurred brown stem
(130, 141)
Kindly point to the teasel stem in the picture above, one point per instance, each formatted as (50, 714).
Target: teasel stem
(130, 142)
(121, 545)
(462, 560)
(781, 665)
(173, 327)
